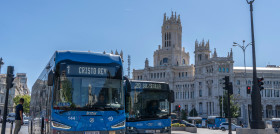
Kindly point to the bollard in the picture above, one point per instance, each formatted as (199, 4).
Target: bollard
(11, 131)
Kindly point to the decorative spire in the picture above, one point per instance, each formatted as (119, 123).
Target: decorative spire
(121, 54)
(179, 20)
(175, 16)
(196, 43)
(164, 18)
(116, 52)
(104, 52)
(146, 63)
(202, 43)
(207, 44)
(231, 54)
(172, 15)
(112, 52)
(215, 53)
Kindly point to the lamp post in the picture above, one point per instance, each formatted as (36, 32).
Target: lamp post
(256, 122)
(243, 47)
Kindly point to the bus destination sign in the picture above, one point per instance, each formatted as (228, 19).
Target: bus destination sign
(88, 70)
(143, 85)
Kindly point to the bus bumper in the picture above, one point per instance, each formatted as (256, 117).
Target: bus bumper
(131, 130)
(89, 132)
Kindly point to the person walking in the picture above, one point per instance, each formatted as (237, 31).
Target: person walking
(19, 116)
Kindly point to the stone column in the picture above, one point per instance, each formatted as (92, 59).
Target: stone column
(264, 111)
(273, 111)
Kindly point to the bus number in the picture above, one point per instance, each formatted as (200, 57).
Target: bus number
(137, 86)
(71, 118)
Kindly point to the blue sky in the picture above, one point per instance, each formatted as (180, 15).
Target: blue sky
(30, 31)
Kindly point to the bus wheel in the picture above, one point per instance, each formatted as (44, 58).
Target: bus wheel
(223, 129)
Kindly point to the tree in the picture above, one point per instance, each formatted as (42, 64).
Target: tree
(234, 107)
(193, 113)
(183, 115)
(26, 104)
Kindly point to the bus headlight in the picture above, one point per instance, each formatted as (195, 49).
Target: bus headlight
(60, 125)
(121, 124)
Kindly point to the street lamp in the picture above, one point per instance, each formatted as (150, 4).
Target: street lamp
(243, 47)
(256, 122)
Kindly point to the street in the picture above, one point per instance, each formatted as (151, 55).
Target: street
(204, 131)
(23, 130)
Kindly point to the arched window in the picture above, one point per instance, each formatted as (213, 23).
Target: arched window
(165, 60)
(184, 62)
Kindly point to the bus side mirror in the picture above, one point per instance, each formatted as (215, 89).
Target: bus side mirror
(127, 83)
(50, 78)
(171, 97)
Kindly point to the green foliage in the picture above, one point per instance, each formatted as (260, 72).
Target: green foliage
(183, 115)
(234, 107)
(26, 104)
(182, 125)
(178, 125)
(193, 113)
(175, 125)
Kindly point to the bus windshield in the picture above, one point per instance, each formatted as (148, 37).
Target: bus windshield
(88, 91)
(148, 104)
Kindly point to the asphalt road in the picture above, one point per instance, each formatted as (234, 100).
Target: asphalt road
(23, 130)
(204, 131)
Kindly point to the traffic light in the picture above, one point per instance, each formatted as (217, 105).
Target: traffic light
(248, 89)
(10, 77)
(179, 108)
(226, 82)
(230, 88)
(260, 83)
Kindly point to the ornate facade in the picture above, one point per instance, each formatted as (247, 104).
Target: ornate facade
(19, 88)
(200, 86)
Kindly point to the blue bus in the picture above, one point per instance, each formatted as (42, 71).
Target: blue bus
(214, 122)
(79, 92)
(148, 107)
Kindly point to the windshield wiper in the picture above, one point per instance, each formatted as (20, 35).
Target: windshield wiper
(110, 108)
(65, 110)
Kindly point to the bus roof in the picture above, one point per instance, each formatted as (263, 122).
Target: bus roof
(194, 118)
(275, 119)
(89, 57)
(148, 81)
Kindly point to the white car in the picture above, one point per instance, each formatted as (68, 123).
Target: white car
(224, 126)
(11, 117)
(25, 120)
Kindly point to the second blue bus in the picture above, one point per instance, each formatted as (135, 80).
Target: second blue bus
(148, 107)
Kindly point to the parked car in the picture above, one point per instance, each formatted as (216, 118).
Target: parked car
(11, 117)
(25, 120)
(224, 126)
(183, 122)
(187, 123)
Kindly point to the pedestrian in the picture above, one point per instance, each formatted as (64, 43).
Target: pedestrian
(19, 116)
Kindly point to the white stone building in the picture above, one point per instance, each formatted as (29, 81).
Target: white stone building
(199, 86)
(19, 88)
